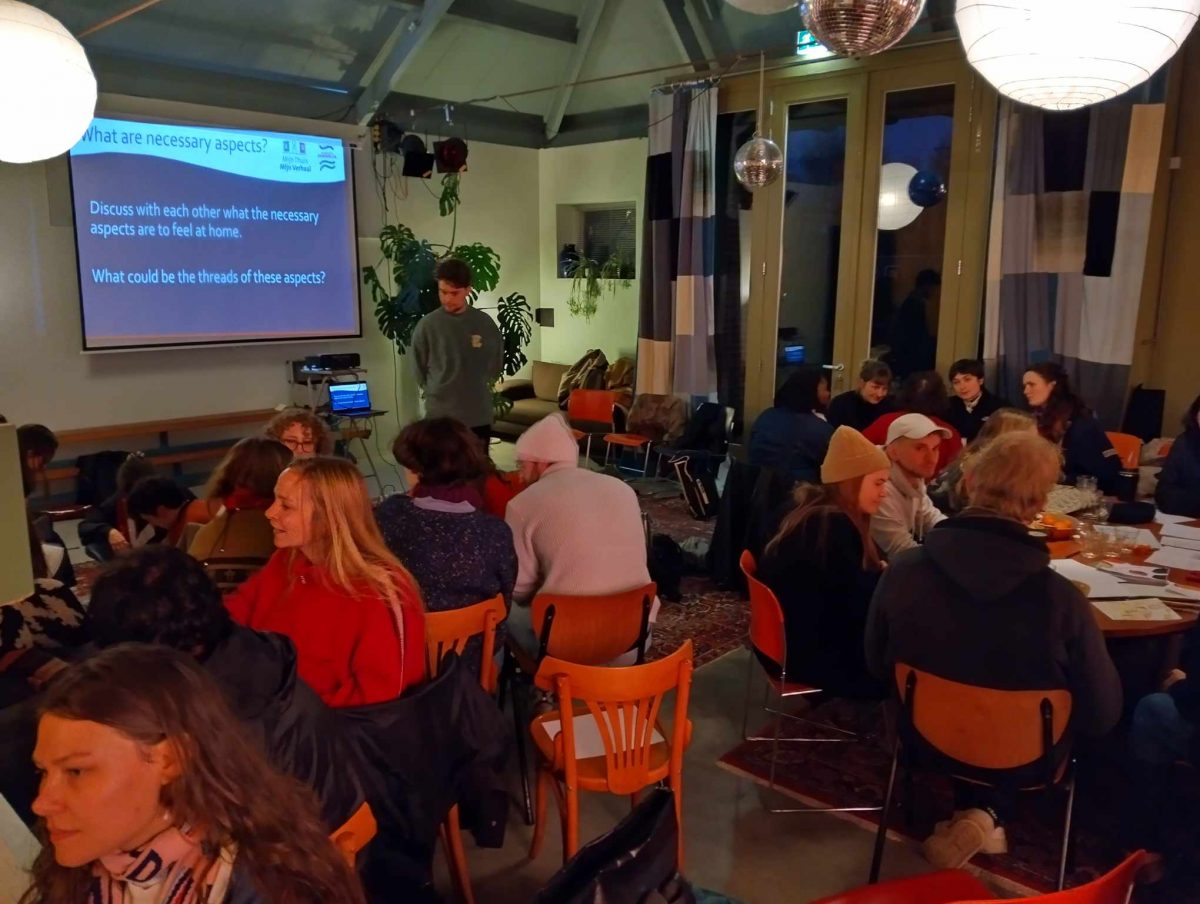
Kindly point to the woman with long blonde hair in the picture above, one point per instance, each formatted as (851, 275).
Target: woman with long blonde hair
(823, 565)
(948, 491)
(332, 586)
(152, 791)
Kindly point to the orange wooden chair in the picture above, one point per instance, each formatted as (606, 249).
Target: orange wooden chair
(590, 406)
(355, 833)
(625, 440)
(614, 741)
(587, 630)
(981, 732)
(768, 641)
(448, 632)
(955, 886)
(1129, 449)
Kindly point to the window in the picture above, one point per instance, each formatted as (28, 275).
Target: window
(601, 232)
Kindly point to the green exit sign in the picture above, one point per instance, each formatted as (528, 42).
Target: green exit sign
(809, 48)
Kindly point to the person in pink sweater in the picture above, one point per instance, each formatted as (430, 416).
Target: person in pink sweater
(575, 531)
(333, 587)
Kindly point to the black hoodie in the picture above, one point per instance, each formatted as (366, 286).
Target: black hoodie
(978, 603)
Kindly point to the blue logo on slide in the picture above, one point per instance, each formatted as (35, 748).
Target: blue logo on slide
(269, 156)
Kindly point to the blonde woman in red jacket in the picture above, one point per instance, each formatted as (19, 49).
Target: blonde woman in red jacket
(333, 587)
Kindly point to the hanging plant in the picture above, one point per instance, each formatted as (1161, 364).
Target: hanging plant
(449, 200)
(590, 281)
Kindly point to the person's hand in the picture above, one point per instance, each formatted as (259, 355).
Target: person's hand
(1173, 677)
(116, 540)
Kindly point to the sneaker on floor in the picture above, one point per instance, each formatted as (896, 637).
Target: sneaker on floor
(995, 843)
(963, 839)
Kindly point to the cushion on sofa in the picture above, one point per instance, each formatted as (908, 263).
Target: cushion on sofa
(546, 377)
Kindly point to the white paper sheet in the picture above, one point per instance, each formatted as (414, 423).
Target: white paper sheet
(1109, 586)
(1179, 530)
(1137, 610)
(1174, 557)
(1164, 518)
(588, 742)
(1180, 543)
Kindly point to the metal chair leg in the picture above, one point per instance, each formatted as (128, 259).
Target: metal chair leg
(1066, 839)
(646, 463)
(881, 834)
(749, 685)
(521, 722)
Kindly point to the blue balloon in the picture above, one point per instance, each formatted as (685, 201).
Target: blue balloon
(926, 189)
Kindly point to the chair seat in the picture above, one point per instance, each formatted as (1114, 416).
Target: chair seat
(592, 771)
(632, 440)
(941, 887)
(578, 434)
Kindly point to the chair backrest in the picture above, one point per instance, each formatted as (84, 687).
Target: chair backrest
(767, 633)
(448, 632)
(1114, 887)
(594, 405)
(980, 726)
(625, 704)
(1129, 449)
(355, 834)
(592, 630)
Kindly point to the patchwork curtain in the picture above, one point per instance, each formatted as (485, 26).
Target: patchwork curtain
(1070, 223)
(676, 322)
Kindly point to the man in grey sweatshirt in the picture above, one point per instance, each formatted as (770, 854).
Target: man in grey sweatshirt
(458, 352)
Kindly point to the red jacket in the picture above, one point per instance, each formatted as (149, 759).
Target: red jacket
(947, 451)
(347, 647)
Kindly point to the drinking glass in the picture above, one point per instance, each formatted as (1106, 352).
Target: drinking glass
(1091, 542)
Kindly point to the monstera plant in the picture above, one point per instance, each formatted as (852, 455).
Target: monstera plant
(413, 263)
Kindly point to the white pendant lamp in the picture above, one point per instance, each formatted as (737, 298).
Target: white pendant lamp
(47, 89)
(762, 7)
(896, 209)
(1064, 54)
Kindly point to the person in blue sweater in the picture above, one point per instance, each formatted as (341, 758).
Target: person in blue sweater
(1065, 420)
(792, 437)
(1178, 490)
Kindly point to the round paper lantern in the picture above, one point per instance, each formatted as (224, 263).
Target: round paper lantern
(896, 210)
(762, 7)
(758, 162)
(47, 89)
(1064, 54)
(860, 27)
(926, 189)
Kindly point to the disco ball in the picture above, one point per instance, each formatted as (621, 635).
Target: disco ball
(758, 162)
(860, 27)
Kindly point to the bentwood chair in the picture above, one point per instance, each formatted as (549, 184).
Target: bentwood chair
(982, 736)
(768, 645)
(956, 886)
(588, 630)
(449, 631)
(355, 833)
(613, 740)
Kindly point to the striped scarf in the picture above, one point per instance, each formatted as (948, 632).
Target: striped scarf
(173, 868)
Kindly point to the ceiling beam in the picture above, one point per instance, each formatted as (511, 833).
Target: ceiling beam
(473, 121)
(604, 125)
(517, 16)
(589, 18)
(708, 13)
(412, 32)
(685, 31)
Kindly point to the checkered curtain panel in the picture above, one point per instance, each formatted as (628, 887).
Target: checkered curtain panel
(675, 329)
(1070, 223)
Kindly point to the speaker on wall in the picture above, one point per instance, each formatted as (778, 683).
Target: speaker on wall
(544, 316)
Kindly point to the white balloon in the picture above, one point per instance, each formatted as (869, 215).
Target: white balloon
(896, 209)
(47, 89)
(1064, 54)
(762, 7)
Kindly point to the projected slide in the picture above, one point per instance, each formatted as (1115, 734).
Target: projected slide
(193, 235)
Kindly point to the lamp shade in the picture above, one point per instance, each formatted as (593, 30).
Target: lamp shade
(896, 209)
(1064, 54)
(47, 89)
(762, 7)
(860, 27)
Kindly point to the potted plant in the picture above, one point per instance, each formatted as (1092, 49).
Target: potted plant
(590, 280)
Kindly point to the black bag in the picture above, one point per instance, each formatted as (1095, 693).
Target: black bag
(636, 862)
(705, 432)
(699, 487)
(1144, 413)
(667, 567)
(97, 476)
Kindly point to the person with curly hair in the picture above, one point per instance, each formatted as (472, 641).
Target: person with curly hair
(301, 431)
(152, 791)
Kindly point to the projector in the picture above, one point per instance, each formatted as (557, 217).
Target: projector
(344, 361)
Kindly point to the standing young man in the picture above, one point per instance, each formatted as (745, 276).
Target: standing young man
(859, 407)
(972, 403)
(458, 353)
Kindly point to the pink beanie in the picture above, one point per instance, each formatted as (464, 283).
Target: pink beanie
(549, 440)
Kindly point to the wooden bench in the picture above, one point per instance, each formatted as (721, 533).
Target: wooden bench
(166, 453)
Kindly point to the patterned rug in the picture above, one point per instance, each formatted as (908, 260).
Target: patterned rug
(855, 774)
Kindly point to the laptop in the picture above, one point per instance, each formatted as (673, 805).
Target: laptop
(349, 398)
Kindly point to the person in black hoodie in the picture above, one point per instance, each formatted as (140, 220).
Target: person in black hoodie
(792, 437)
(859, 408)
(159, 594)
(109, 526)
(1065, 420)
(823, 565)
(1178, 490)
(979, 604)
(973, 403)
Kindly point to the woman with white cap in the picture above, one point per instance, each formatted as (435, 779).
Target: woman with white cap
(823, 566)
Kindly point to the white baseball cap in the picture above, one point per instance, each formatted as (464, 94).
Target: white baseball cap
(913, 426)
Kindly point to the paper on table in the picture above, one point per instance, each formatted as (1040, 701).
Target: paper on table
(1174, 557)
(588, 742)
(1137, 610)
(1109, 586)
(1181, 543)
(1178, 530)
(1164, 518)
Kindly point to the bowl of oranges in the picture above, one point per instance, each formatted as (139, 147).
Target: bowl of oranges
(1055, 526)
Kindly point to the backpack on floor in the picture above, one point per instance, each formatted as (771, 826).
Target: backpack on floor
(667, 567)
(698, 486)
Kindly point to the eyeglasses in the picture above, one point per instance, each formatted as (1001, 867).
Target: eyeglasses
(300, 445)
